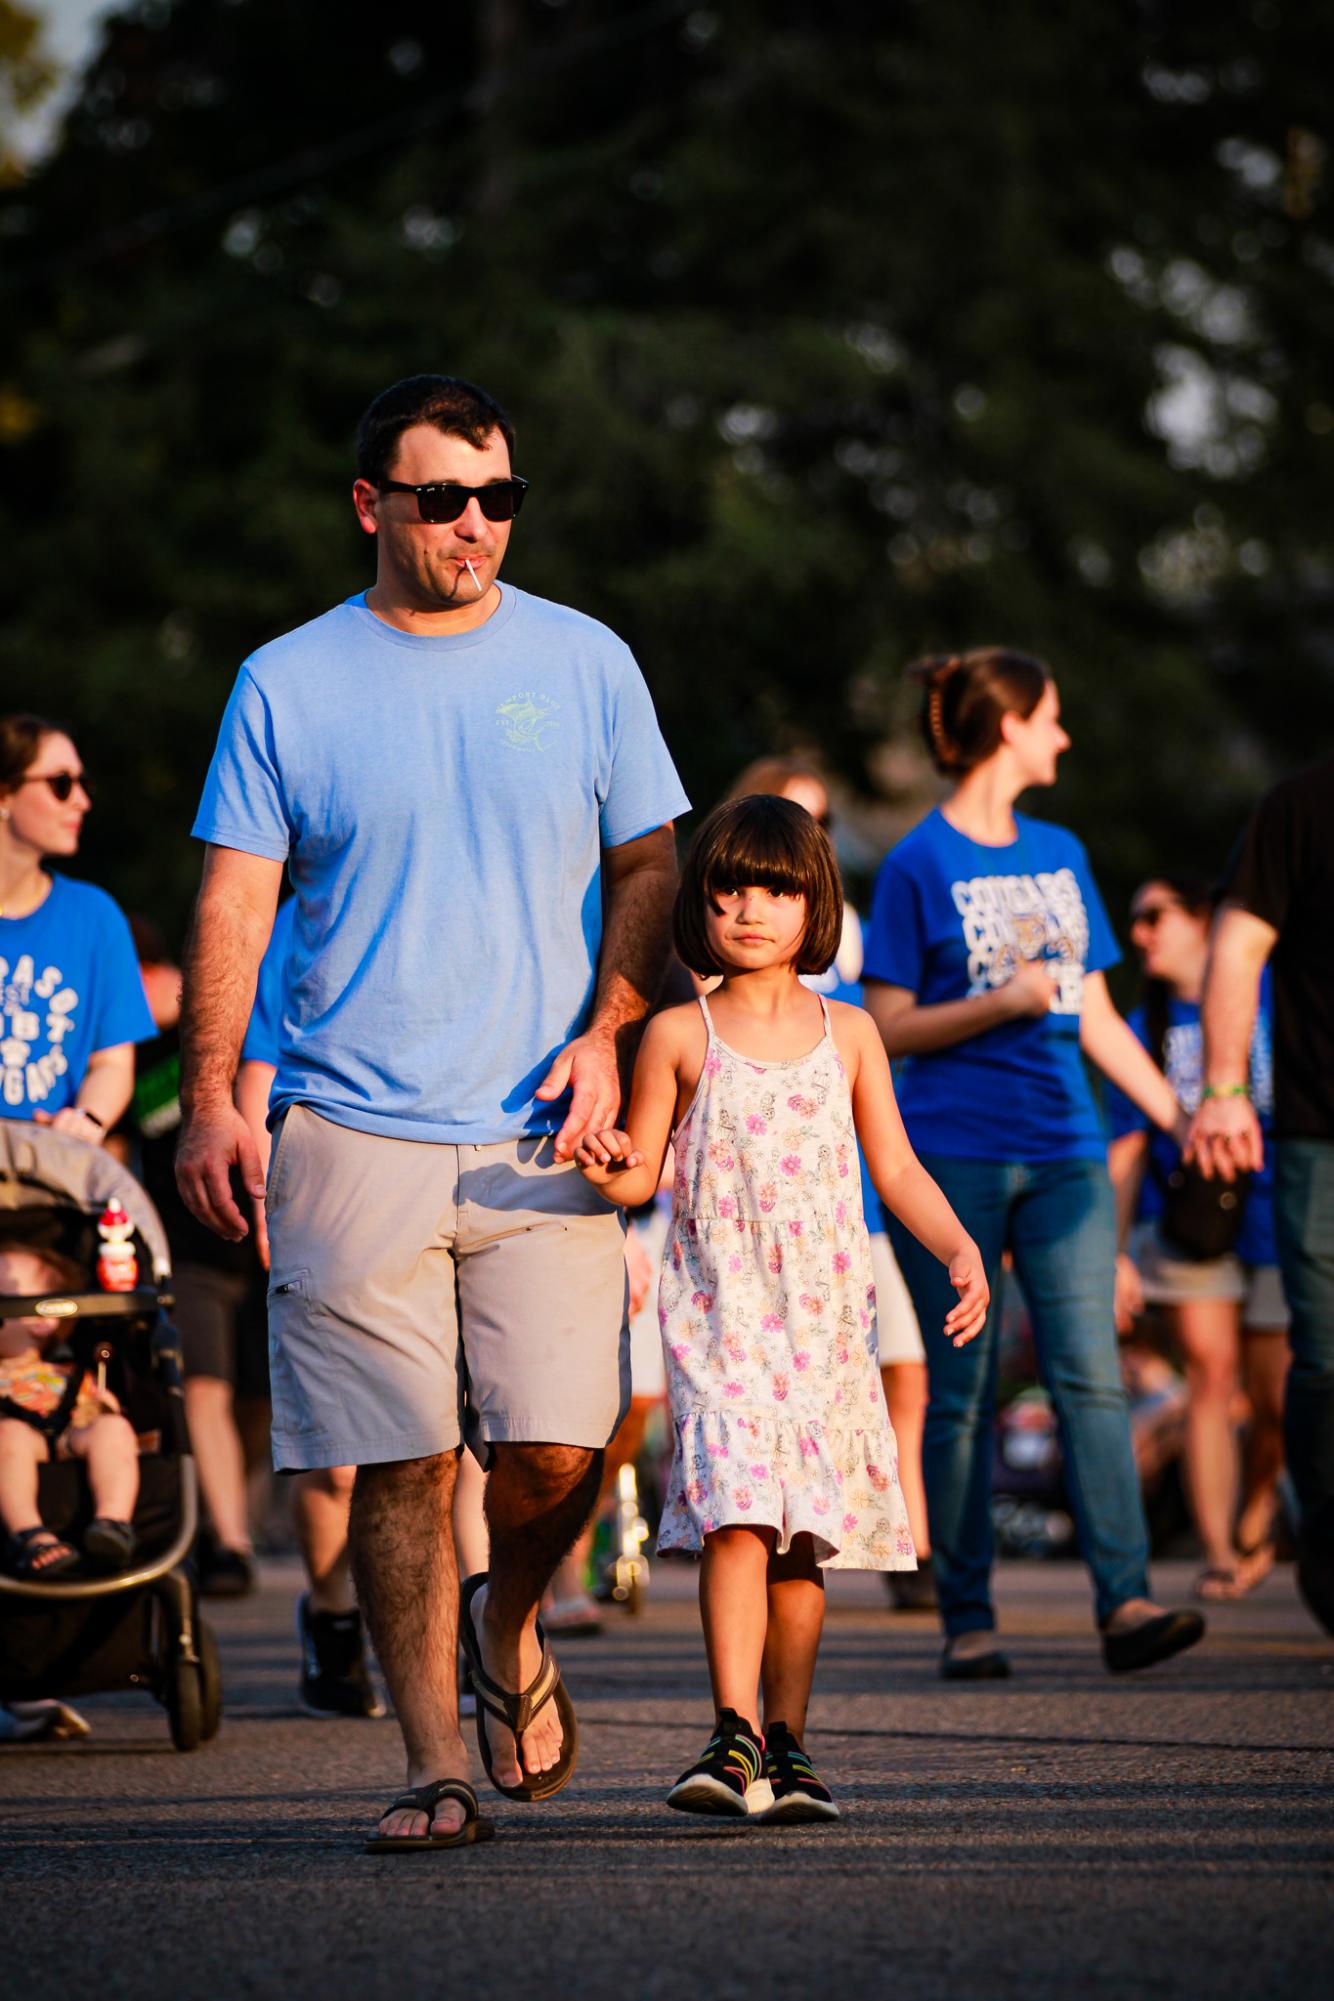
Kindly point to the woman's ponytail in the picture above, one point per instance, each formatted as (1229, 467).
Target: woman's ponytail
(935, 673)
(965, 697)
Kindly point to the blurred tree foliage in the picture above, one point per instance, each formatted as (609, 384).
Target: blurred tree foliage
(831, 335)
(27, 75)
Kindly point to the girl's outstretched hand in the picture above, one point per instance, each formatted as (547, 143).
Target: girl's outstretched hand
(969, 1279)
(602, 1154)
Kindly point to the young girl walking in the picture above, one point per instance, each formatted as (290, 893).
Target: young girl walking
(784, 1462)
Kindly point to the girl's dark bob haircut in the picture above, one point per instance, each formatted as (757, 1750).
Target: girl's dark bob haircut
(762, 842)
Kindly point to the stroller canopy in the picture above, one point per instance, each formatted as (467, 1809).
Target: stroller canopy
(39, 1167)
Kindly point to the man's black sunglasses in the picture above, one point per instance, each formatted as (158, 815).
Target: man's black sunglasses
(444, 501)
(62, 783)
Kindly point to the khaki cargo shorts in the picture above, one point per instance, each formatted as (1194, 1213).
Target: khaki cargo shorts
(424, 1295)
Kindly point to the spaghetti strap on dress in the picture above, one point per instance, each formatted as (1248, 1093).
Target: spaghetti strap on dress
(767, 1308)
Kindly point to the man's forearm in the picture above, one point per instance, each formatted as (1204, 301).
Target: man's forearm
(1241, 944)
(227, 941)
(635, 944)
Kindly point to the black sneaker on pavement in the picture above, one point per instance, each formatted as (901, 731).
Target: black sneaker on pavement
(799, 1792)
(335, 1680)
(729, 1779)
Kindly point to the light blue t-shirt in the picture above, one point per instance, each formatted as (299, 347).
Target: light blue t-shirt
(952, 918)
(69, 986)
(1183, 1061)
(442, 805)
(263, 1036)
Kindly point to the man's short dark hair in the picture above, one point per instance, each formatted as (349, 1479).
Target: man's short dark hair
(459, 409)
(762, 842)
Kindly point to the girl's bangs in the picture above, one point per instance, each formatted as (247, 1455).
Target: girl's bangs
(762, 857)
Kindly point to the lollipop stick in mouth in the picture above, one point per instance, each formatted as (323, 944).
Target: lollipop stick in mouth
(473, 574)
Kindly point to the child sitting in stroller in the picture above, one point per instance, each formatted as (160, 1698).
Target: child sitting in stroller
(54, 1409)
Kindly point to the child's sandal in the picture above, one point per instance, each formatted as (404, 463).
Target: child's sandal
(109, 1544)
(39, 1553)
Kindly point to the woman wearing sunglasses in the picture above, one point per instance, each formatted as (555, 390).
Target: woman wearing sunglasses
(1227, 1312)
(72, 1004)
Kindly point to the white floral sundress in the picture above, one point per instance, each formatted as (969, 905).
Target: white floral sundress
(767, 1310)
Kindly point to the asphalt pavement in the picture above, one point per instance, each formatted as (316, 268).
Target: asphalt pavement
(1066, 1833)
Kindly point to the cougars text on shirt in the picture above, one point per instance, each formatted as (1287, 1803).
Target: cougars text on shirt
(23, 992)
(1008, 919)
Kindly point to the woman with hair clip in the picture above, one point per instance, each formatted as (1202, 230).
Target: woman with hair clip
(985, 959)
(1225, 1303)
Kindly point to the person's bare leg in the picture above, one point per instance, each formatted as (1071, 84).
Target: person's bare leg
(1209, 1332)
(567, 1594)
(22, 1450)
(110, 1451)
(1265, 1364)
(471, 1541)
(219, 1458)
(626, 1444)
(567, 1584)
(254, 1428)
(538, 1497)
(905, 1390)
(734, 1609)
(796, 1619)
(321, 1505)
(407, 1584)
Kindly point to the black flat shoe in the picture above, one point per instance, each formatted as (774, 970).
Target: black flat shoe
(991, 1666)
(1155, 1640)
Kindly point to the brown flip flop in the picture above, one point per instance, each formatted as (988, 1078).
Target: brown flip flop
(425, 1799)
(516, 1712)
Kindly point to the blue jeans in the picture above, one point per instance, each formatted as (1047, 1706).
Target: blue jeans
(1058, 1219)
(1304, 1215)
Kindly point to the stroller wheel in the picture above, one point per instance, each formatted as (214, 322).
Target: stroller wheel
(185, 1705)
(210, 1683)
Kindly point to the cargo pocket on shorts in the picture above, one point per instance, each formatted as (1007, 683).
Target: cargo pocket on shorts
(290, 1342)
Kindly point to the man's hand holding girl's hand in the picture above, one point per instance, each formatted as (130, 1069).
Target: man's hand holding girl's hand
(969, 1279)
(602, 1154)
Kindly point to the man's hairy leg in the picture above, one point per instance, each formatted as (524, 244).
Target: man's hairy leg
(538, 1497)
(402, 1548)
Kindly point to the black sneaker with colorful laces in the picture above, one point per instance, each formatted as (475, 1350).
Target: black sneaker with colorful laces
(799, 1794)
(729, 1778)
(335, 1680)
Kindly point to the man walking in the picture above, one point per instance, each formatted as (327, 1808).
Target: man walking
(1279, 901)
(471, 794)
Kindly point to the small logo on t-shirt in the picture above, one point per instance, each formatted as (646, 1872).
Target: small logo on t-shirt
(526, 720)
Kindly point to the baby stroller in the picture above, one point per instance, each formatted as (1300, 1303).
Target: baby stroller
(75, 1634)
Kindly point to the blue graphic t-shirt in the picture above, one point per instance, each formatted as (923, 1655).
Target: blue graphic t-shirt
(263, 1036)
(1183, 1062)
(952, 918)
(69, 986)
(442, 805)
